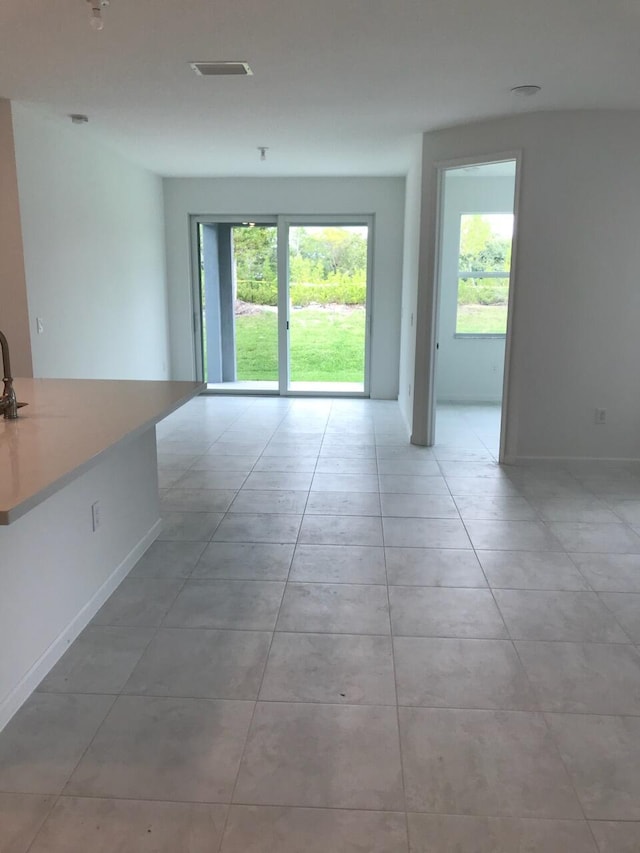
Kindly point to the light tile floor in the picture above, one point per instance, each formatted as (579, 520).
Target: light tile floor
(342, 643)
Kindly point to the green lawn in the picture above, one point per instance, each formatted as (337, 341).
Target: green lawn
(326, 346)
(482, 319)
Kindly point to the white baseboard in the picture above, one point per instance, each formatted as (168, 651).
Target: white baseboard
(470, 401)
(560, 460)
(21, 692)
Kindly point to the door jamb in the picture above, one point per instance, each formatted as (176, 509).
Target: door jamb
(508, 425)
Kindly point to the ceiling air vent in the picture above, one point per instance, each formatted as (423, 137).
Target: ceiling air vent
(221, 69)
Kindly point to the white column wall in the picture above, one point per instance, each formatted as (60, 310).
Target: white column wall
(93, 233)
(412, 226)
(576, 345)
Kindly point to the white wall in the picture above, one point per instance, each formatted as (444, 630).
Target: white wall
(382, 197)
(412, 218)
(14, 311)
(468, 369)
(93, 234)
(576, 312)
(55, 572)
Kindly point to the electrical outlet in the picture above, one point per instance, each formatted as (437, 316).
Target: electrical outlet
(601, 416)
(95, 515)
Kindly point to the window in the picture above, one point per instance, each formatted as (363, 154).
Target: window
(484, 263)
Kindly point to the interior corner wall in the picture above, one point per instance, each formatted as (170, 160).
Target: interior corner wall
(93, 232)
(469, 369)
(576, 300)
(411, 248)
(14, 310)
(382, 197)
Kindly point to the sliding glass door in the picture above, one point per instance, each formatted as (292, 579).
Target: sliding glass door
(327, 307)
(281, 304)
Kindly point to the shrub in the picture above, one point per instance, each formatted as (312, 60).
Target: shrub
(486, 292)
(264, 293)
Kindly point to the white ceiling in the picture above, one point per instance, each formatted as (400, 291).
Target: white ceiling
(339, 86)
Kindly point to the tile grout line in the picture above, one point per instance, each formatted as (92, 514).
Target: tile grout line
(395, 682)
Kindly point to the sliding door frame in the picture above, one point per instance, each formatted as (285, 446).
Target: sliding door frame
(282, 222)
(195, 220)
(285, 222)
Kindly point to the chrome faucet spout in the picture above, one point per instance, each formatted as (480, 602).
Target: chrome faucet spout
(8, 400)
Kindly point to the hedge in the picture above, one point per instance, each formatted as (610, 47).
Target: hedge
(483, 294)
(266, 293)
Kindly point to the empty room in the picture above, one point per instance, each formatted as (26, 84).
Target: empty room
(319, 427)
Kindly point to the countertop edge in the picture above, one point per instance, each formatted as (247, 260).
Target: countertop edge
(21, 509)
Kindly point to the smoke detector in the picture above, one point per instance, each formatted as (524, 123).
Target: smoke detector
(526, 91)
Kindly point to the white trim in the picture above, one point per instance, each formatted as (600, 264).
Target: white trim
(282, 269)
(21, 692)
(470, 401)
(423, 426)
(333, 219)
(282, 222)
(508, 419)
(532, 460)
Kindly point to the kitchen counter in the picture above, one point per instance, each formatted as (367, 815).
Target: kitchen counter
(67, 427)
(79, 506)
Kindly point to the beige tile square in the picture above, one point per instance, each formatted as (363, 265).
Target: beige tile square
(246, 605)
(130, 826)
(463, 834)
(340, 530)
(334, 609)
(200, 663)
(450, 673)
(493, 763)
(165, 749)
(21, 815)
(444, 612)
(342, 669)
(99, 661)
(568, 616)
(322, 755)
(583, 678)
(433, 567)
(602, 755)
(44, 741)
(256, 829)
(616, 837)
(244, 561)
(531, 570)
(139, 602)
(338, 564)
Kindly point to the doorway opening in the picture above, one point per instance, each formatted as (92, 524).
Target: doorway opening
(477, 214)
(282, 305)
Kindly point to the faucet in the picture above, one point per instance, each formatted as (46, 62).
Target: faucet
(8, 401)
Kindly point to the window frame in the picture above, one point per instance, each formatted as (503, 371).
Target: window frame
(461, 274)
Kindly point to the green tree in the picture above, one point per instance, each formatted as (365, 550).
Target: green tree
(254, 250)
(481, 249)
(334, 250)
